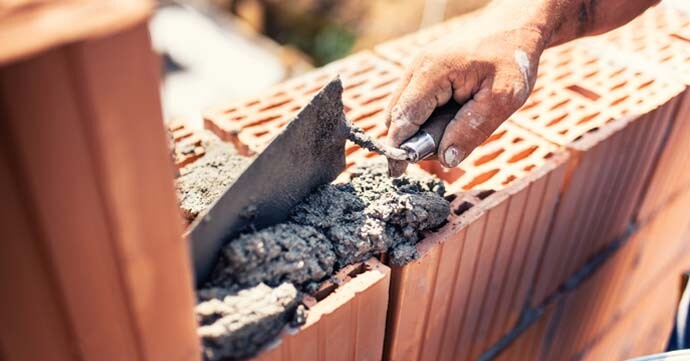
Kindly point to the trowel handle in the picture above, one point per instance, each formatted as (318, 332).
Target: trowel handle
(426, 141)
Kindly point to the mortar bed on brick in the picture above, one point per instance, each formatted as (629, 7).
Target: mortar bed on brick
(601, 103)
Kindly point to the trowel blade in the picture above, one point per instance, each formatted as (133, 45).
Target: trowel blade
(310, 151)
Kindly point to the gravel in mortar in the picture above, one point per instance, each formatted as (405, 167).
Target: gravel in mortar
(335, 226)
(234, 326)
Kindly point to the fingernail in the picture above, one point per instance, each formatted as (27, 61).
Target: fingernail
(452, 156)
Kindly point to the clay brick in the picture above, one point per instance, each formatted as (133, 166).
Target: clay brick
(657, 42)
(625, 308)
(110, 239)
(530, 345)
(479, 266)
(188, 147)
(403, 50)
(613, 120)
(348, 324)
(251, 123)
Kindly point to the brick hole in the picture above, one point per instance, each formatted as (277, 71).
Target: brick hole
(350, 150)
(619, 85)
(560, 104)
(262, 121)
(509, 179)
(369, 127)
(591, 61)
(355, 85)
(260, 133)
(251, 103)
(589, 94)
(346, 109)
(679, 37)
(375, 99)
(617, 72)
(366, 115)
(556, 120)
(495, 136)
(462, 208)
(363, 70)
(355, 96)
(667, 58)
(564, 75)
(587, 118)
(563, 132)
(312, 90)
(481, 178)
(591, 74)
(529, 167)
(295, 108)
(383, 84)
(488, 157)
(523, 154)
(275, 105)
(517, 140)
(530, 105)
(485, 194)
(230, 110)
(447, 175)
(620, 100)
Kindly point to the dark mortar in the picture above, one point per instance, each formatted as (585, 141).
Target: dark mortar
(336, 225)
(235, 326)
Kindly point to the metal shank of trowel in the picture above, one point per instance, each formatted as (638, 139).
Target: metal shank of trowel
(425, 143)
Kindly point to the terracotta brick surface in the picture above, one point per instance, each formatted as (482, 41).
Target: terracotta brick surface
(349, 324)
(658, 42)
(403, 50)
(187, 142)
(624, 308)
(252, 123)
(94, 211)
(470, 284)
(613, 119)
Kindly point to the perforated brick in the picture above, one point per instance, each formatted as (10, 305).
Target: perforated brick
(613, 119)
(659, 37)
(470, 284)
(187, 143)
(252, 123)
(403, 50)
(348, 324)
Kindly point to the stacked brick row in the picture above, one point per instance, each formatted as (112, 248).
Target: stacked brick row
(550, 194)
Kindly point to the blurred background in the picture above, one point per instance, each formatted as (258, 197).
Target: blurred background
(215, 51)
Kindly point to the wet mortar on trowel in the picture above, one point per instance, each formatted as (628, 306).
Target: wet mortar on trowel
(258, 285)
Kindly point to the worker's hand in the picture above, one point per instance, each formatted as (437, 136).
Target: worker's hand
(491, 72)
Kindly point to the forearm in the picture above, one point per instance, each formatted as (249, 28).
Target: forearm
(559, 21)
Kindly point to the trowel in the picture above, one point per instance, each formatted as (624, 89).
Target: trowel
(310, 151)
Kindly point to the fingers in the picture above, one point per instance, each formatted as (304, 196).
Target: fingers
(427, 88)
(476, 120)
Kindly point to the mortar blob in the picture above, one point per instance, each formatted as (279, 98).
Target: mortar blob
(201, 182)
(236, 325)
(254, 288)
